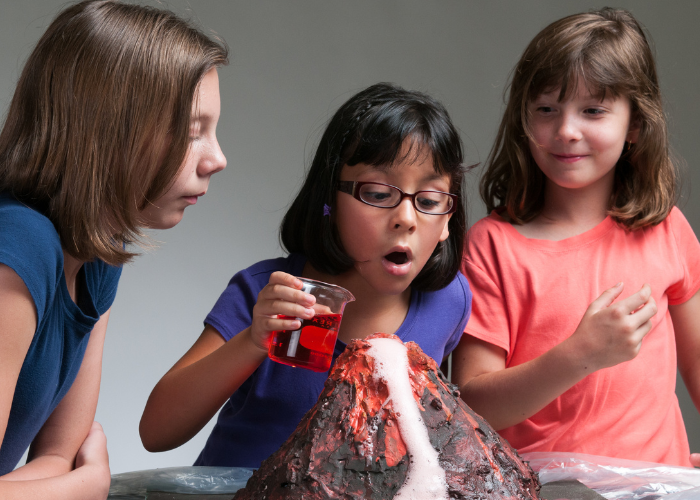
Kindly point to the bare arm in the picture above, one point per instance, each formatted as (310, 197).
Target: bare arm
(607, 335)
(63, 463)
(686, 324)
(193, 390)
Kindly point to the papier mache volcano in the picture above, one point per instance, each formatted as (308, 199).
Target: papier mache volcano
(350, 444)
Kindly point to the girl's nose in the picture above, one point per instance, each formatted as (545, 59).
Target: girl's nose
(568, 129)
(213, 161)
(404, 215)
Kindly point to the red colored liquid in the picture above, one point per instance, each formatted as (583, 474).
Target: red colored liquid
(310, 347)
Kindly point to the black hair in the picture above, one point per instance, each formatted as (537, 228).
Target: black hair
(371, 128)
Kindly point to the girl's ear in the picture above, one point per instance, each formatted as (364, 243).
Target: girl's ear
(633, 131)
(445, 230)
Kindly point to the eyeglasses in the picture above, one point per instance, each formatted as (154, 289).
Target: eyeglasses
(381, 195)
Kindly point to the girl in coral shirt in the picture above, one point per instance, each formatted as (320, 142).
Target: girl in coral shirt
(585, 275)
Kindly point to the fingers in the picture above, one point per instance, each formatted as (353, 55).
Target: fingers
(607, 297)
(636, 321)
(94, 448)
(285, 279)
(96, 436)
(695, 459)
(281, 305)
(635, 301)
(612, 334)
(640, 304)
(283, 296)
(636, 311)
(647, 311)
(96, 428)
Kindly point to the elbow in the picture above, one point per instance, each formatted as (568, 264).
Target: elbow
(150, 437)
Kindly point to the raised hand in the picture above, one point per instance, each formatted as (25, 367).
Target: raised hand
(608, 333)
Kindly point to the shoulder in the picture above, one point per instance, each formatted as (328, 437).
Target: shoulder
(30, 245)
(440, 317)
(458, 290)
(453, 300)
(289, 264)
(488, 232)
(26, 224)
(490, 239)
(492, 224)
(677, 221)
(233, 309)
(674, 228)
(258, 275)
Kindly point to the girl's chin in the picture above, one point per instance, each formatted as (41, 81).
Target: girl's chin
(165, 221)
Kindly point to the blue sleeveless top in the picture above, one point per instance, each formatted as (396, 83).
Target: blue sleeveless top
(30, 245)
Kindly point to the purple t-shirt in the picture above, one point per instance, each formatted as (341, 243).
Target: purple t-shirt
(266, 409)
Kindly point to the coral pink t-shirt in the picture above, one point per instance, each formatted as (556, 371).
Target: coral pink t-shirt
(530, 295)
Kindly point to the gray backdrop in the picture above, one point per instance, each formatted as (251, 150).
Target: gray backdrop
(292, 65)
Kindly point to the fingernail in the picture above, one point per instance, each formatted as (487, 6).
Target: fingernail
(310, 312)
(619, 284)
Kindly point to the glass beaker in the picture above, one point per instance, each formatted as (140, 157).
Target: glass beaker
(312, 345)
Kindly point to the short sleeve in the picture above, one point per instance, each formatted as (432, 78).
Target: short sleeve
(489, 319)
(31, 247)
(232, 312)
(463, 304)
(688, 249)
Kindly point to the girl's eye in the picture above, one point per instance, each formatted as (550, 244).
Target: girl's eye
(426, 203)
(376, 196)
(594, 111)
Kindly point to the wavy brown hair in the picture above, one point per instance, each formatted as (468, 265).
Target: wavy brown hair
(99, 123)
(609, 51)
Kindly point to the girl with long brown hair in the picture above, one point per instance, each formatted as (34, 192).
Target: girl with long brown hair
(581, 189)
(112, 128)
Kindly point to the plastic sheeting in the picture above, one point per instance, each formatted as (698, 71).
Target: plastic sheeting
(183, 480)
(618, 479)
(615, 479)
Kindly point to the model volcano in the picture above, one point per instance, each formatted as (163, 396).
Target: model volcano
(388, 425)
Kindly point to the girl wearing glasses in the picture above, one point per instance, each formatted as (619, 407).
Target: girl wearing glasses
(380, 214)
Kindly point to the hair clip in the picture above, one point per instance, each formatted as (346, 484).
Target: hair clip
(326, 210)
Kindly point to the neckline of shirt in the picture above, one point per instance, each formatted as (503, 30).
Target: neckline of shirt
(585, 238)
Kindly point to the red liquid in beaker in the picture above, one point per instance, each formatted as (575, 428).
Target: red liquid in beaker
(309, 347)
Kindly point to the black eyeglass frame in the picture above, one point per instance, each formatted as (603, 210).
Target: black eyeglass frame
(353, 189)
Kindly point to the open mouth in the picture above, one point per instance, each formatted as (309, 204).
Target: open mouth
(397, 257)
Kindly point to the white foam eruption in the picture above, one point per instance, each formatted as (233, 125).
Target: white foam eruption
(425, 479)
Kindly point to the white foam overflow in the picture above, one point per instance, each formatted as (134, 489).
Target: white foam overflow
(425, 479)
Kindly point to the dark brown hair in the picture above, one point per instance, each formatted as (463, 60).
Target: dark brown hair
(99, 123)
(371, 128)
(609, 51)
